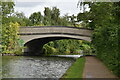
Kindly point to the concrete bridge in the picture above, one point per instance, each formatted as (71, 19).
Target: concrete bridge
(36, 37)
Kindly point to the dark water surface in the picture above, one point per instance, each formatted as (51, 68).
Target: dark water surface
(34, 67)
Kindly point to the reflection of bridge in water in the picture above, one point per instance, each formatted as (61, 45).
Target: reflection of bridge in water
(36, 37)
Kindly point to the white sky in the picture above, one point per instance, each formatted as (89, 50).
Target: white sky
(30, 6)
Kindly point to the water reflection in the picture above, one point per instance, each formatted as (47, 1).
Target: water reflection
(34, 67)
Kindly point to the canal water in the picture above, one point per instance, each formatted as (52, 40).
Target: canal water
(34, 67)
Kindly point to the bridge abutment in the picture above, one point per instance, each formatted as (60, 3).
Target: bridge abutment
(34, 47)
(28, 51)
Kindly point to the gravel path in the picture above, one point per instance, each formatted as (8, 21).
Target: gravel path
(94, 68)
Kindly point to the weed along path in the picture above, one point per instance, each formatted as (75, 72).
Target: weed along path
(94, 68)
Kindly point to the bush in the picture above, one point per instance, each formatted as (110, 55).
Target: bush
(106, 44)
(48, 50)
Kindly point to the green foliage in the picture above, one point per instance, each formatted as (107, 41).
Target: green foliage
(10, 38)
(105, 39)
(55, 15)
(47, 16)
(76, 70)
(36, 18)
(64, 21)
(10, 41)
(19, 18)
(48, 50)
(7, 9)
(83, 16)
(105, 21)
(51, 17)
(8, 15)
(67, 47)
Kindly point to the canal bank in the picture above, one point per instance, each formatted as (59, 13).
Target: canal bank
(68, 56)
(76, 69)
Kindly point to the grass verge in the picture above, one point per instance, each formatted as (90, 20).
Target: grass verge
(76, 70)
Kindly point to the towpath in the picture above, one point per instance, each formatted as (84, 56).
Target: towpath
(94, 68)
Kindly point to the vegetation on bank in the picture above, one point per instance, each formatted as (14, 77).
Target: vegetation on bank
(104, 19)
(76, 70)
(105, 37)
(67, 47)
(10, 41)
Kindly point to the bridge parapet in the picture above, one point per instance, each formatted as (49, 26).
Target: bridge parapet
(55, 30)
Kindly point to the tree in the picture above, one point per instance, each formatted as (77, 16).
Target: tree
(10, 38)
(47, 16)
(105, 21)
(55, 15)
(72, 19)
(51, 17)
(19, 15)
(20, 18)
(36, 18)
(7, 10)
(64, 21)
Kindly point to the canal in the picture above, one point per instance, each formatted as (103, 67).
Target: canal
(34, 67)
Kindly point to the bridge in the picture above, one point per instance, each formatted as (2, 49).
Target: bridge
(35, 37)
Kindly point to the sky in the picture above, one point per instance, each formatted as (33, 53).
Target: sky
(30, 6)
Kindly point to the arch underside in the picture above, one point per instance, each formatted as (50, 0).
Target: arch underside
(34, 43)
(28, 38)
